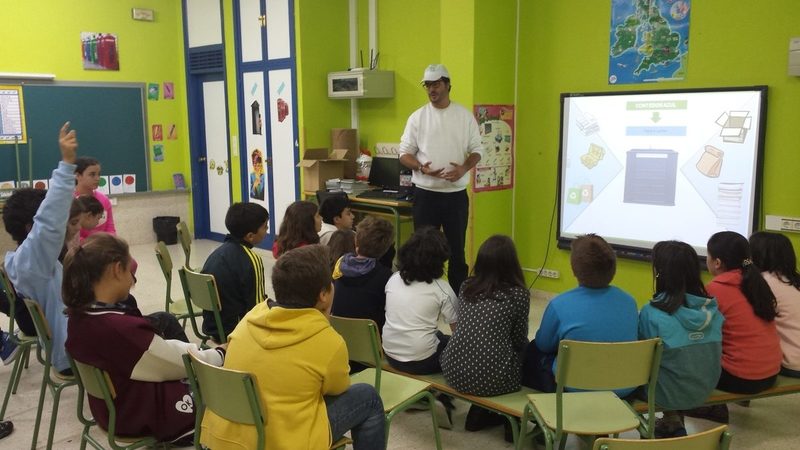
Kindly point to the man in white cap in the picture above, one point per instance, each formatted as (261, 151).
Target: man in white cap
(441, 143)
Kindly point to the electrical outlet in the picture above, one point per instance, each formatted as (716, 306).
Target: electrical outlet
(547, 273)
(384, 149)
(781, 223)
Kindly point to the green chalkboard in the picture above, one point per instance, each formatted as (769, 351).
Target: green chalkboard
(109, 119)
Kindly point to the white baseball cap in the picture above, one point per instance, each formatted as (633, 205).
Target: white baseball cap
(434, 72)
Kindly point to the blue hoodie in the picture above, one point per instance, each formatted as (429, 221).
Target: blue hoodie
(692, 338)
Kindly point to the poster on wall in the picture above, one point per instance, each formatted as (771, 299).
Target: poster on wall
(12, 115)
(257, 178)
(649, 41)
(99, 51)
(495, 171)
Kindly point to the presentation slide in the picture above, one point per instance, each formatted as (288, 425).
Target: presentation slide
(638, 168)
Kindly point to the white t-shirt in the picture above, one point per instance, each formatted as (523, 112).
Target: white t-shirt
(412, 317)
(441, 136)
(326, 232)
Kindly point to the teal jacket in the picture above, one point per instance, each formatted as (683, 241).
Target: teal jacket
(690, 363)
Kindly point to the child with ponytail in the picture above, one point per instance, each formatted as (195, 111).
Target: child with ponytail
(751, 353)
(110, 334)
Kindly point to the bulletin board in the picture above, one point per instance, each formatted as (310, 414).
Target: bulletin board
(109, 118)
(495, 170)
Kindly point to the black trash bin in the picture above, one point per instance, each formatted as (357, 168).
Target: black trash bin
(166, 229)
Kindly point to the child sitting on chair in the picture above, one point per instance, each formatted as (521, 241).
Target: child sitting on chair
(594, 311)
(300, 363)
(237, 269)
(104, 332)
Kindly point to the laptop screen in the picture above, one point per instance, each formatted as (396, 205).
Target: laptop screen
(385, 173)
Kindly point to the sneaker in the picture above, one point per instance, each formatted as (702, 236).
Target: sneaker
(481, 418)
(443, 415)
(8, 349)
(716, 413)
(670, 426)
(420, 405)
(6, 427)
(508, 433)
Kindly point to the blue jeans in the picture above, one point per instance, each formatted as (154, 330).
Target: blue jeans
(359, 410)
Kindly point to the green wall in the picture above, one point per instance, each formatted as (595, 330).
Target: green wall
(564, 47)
(44, 37)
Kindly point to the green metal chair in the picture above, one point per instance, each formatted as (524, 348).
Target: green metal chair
(185, 239)
(51, 380)
(177, 308)
(22, 341)
(97, 383)
(398, 392)
(597, 367)
(200, 291)
(230, 394)
(714, 439)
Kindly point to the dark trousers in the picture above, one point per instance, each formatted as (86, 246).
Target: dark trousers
(167, 326)
(448, 211)
(425, 366)
(21, 314)
(731, 383)
(537, 369)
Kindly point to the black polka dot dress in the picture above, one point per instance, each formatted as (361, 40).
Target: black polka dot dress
(484, 355)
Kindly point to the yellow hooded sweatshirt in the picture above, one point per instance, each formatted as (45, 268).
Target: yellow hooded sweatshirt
(297, 358)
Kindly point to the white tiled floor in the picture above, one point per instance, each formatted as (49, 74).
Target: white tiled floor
(766, 424)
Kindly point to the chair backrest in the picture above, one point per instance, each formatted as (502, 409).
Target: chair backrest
(714, 439)
(44, 335)
(230, 394)
(7, 289)
(363, 342)
(165, 262)
(96, 382)
(201, 291)
(608, 365)
(185, 239)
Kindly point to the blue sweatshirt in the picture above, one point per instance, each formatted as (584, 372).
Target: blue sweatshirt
(606, 314)
(34, 268)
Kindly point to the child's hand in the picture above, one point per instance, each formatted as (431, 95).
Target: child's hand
(68, 142)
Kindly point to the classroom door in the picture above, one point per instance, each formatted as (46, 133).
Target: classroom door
(267, 105)
(216, 162)
(208, 117)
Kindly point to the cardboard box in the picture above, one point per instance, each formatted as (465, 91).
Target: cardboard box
(320, 165)
(346, 138)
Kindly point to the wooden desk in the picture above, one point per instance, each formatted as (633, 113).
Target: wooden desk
(397, 210)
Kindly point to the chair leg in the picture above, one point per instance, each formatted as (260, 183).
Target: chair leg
(16, 372)
(39, 409)
(54, 415)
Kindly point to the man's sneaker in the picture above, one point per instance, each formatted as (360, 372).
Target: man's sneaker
(716, 413)
(8, 348)
(479, 418)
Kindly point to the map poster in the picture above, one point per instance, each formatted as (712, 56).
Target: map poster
(12, 115)
(649, 41)
(495, 171)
